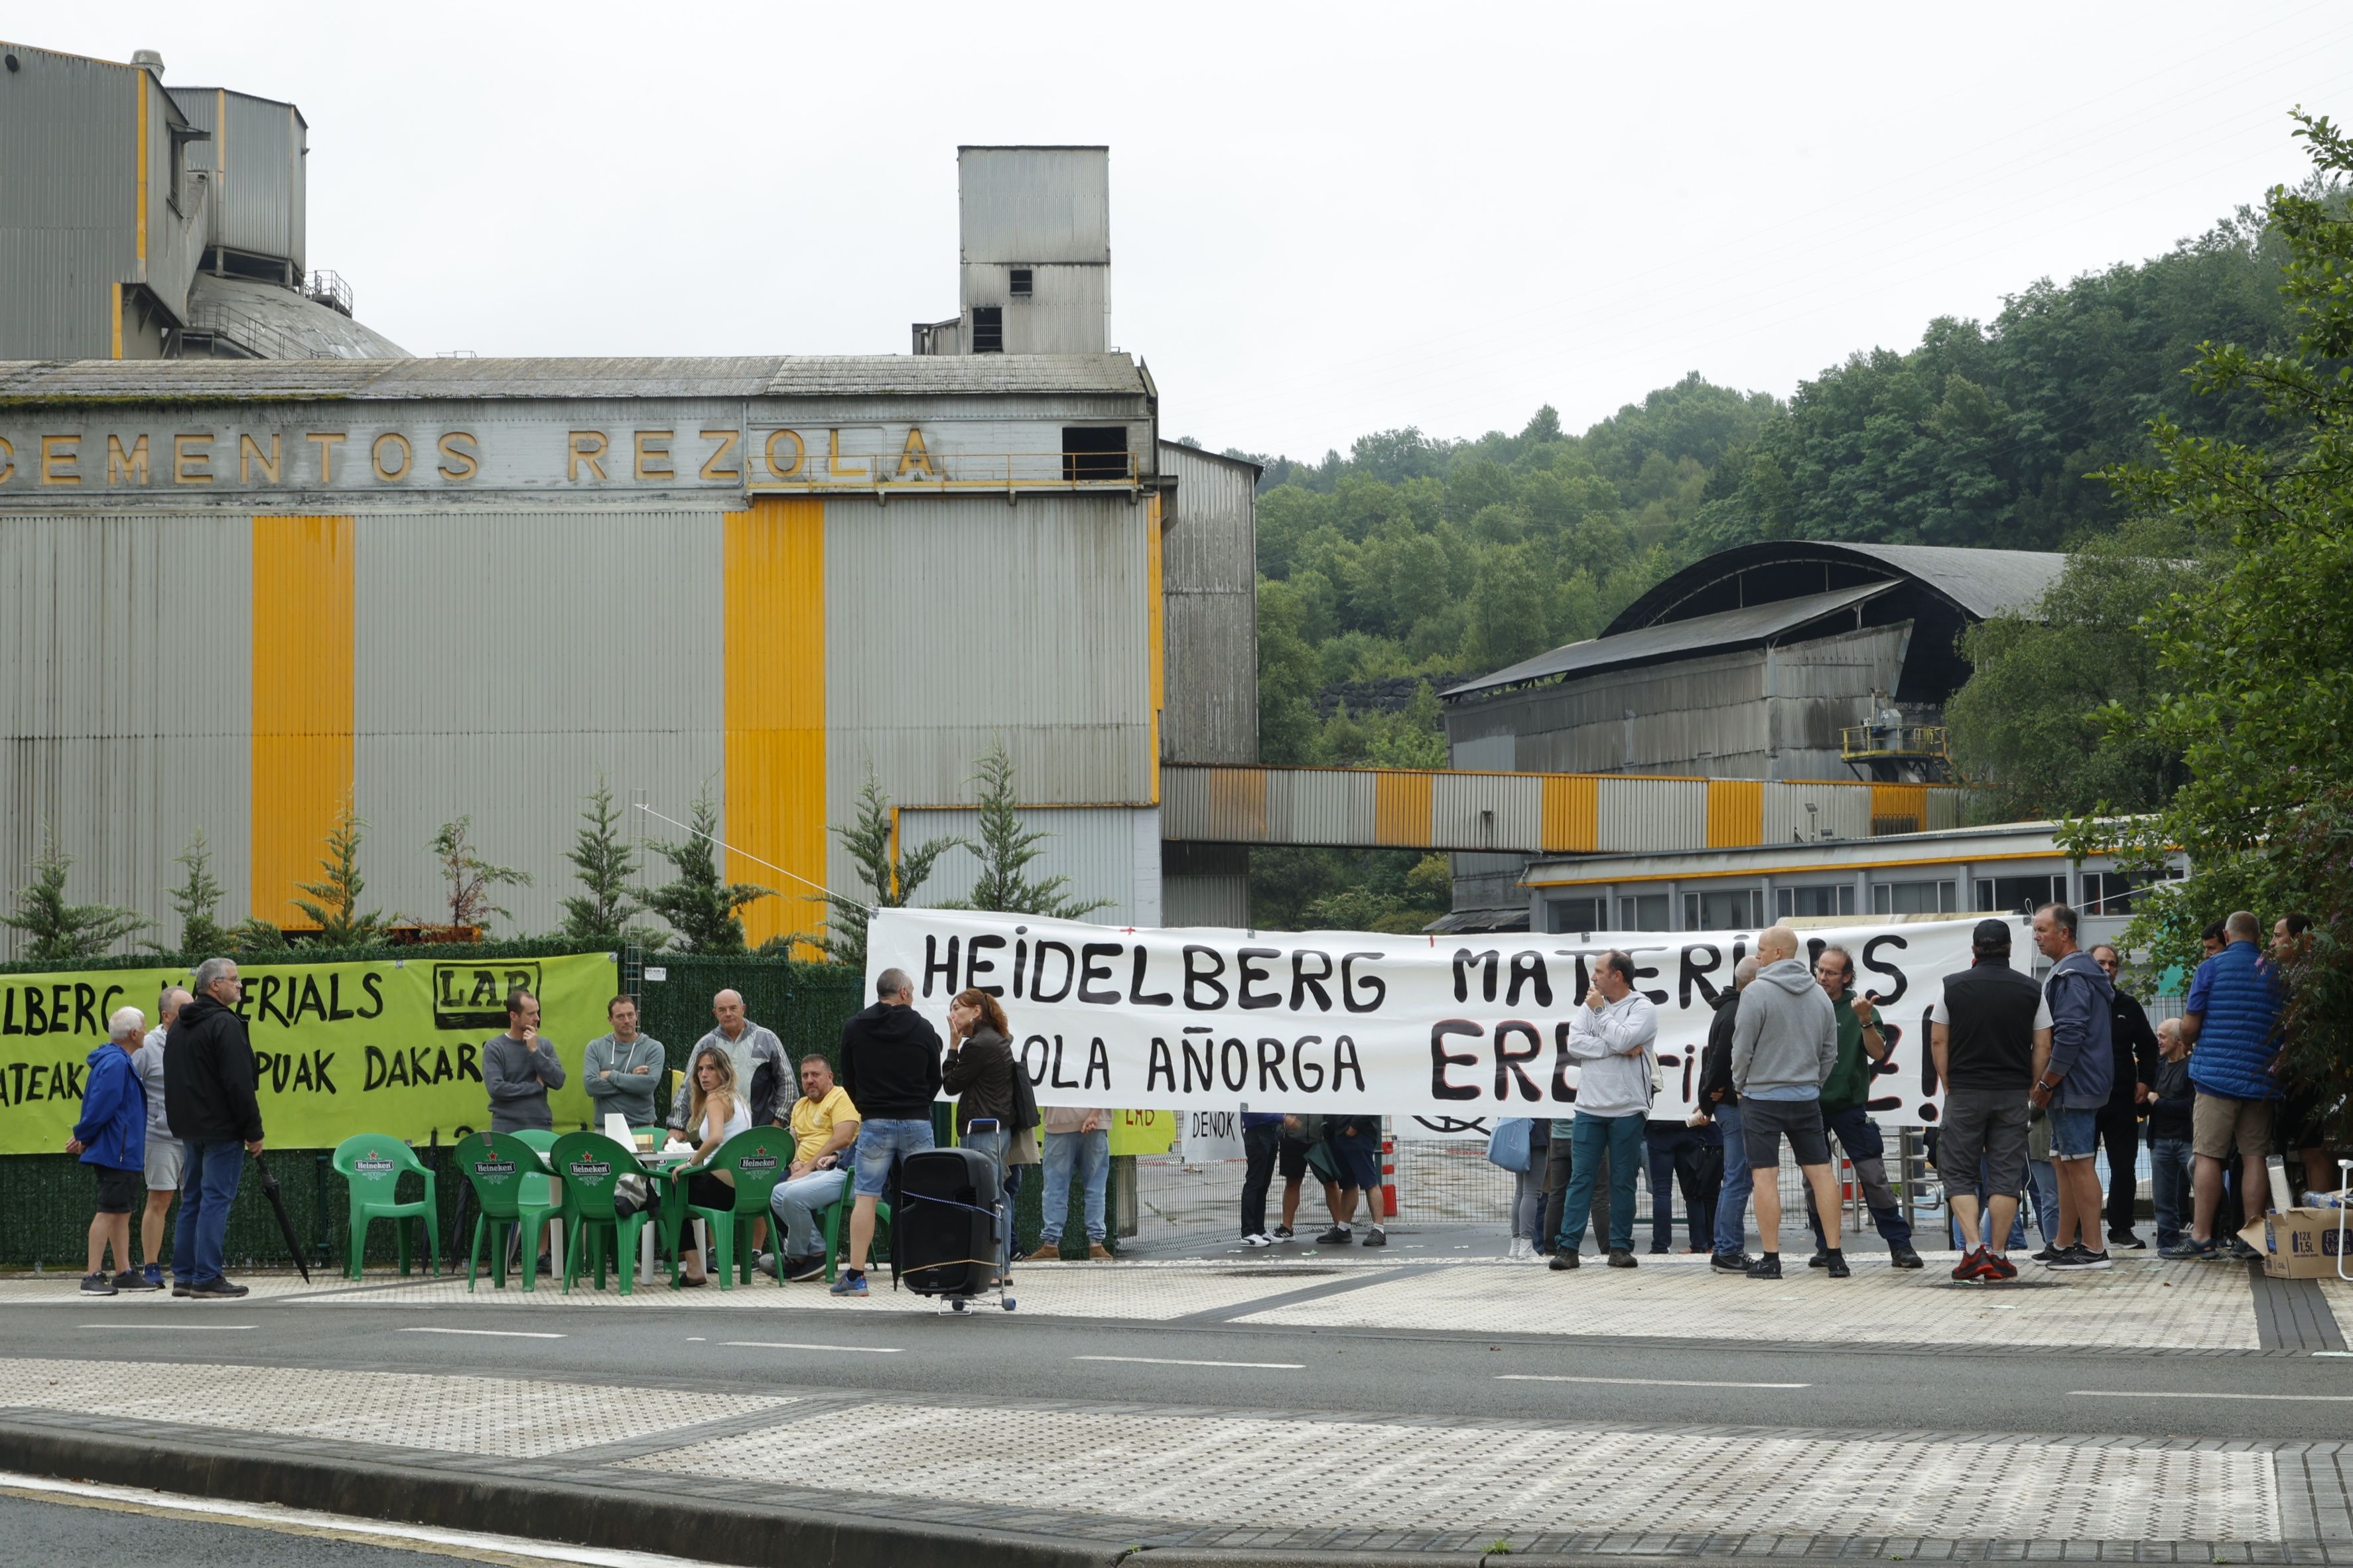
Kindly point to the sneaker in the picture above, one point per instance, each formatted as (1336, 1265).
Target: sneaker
(1262, 1239)
(154, 1272)
(2127, 1241)
(97, 1285)
(2239, 1251)
(2048, 1255)
(1730, 1262)
(2186, 1249)
(179, 1286)
(1972, 1265)
(2076, 1260)
(131, 1279)
(1821, 1259)
(766, 1264)
(1835, 1266)
(1660, 1251)
(1564, 1259)
(217, 1290)
(1902, 1255)
(1377, 1236)
(1284, 1232)
(1024, 1254)
(850, 1284)
(1338, 1235)
(1620, 1258)
(1766, 1267)
(1999, 1268)
(1518, 1251)
(798, 1270)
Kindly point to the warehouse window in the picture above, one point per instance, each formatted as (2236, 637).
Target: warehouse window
(1095, 452)
(988, 329)
(1565, 915)
(1915, 897)
(1814, 903)
(1021, 282)
(1724, 909)
(1642, 911)
(2019, 895)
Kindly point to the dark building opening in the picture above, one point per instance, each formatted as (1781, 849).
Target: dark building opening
(988, 329)
(1095, 452)
(1021, 282)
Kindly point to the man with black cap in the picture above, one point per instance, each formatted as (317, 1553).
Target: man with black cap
(1986, 1034)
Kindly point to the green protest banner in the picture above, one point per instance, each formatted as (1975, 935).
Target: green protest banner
(389, 1046)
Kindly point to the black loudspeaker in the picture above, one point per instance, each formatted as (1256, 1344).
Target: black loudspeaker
(947, 1222)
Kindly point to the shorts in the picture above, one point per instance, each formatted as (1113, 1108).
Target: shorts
(164, 1163)
(880, 1145)
(1291, 1157)
(2217, 1122)
(2073, 1132)
(1359, 1159)
(1988, 1127)
(1764, 1123)
(119, 1191)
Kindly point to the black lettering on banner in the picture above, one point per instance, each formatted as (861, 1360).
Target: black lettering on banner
(1270, 1066)
(36, 1015)
(975, 966)
(373, 984)
(1159, 1066)
(1584, 982)
(1021, 964)
(1561, 1090)
(1344, 1059)
(336, 1011)
(106, 1002)
(58, 1007)
(1137, 995)
(85, 1017)
(1245, 971)
(1098, 1061)
(372, 1075)
(1440, 1058)
(1093, 965)
(8, 1024)
(1658, 998)
(469, 1065)
(1301, 1063)
(1302, 981)
(1894, 972)
(1045, 1056)
(1695, 972)
(1463, 959)
(1204, 977)
(932, 965)
(1058, 1080)
(1507, 1062)
(1528, 969)
(1378, 987)
(271, 985)
(1814, 945)
(1038, 970)
(1206, 1063)
(1233, 1066)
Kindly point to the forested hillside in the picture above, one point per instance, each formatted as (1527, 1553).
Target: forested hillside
(1416, 561)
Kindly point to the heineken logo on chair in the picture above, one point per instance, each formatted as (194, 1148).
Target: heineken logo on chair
(590, 1170)
(758, 1160)
(492, 1170)
(374, 1166)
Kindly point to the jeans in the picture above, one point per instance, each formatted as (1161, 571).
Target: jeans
(1739, 1181)
(993, 1144)
(208, 1189)
(1091, 1152)
(1866, 1151)
(1676, 1151)
(1260, 1147)
(2042, 1181)
(795, 1203)
(1620, 1138)
(2168, 1188)
(1560, 1165)
(879, 1146)
(2120, 1135)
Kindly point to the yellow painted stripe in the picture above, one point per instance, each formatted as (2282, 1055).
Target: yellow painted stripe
(773, 575)
(1571, 810)
(1735, 813)
(1900, 800)
(117, 320)
(302, 602)
(1238, 796)
(139, 83)
(1402, 807)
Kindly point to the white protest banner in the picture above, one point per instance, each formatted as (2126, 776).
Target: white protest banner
(1451, 1029)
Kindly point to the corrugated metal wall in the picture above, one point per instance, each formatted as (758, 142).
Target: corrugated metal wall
(1210, 586)
(255, 158)
(1841, 811)
(176, 228)
(1653, 814)
(502, 664)
(68, 158)
(124, 695)
(1107, 852)
(1026, 205)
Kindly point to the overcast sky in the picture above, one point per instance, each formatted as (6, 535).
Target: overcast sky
(1325, 220)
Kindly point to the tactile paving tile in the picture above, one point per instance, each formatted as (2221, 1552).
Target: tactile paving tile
(63, 1290)
(2139, 1304)
(1392, 1475)
(504, 1418)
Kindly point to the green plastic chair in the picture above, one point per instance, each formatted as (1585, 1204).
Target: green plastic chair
(511, 1188)
(757, 1158)
(373, 1163)
(538, 1137)
(589, 1164)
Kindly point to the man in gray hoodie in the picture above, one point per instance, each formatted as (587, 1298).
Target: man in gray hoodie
(1784, 1049)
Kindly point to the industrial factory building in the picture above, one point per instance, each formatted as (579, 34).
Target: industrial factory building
(241, 589)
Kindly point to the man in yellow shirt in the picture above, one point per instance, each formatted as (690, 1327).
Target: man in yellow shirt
(825, 1124)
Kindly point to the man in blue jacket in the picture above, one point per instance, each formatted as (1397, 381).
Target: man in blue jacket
(2231, 1020)
(112, 1138)
(2073, 1078)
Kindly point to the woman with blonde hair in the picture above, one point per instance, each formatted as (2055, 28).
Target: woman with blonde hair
(979, 1072)
(716, 1112)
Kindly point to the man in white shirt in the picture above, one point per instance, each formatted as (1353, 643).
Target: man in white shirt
(1610, 1039)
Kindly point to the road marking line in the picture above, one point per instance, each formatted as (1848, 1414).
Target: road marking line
(1167, 1361)
(788, 1345)
(1638, 1382)
(208, 1328)
(2165, 1394)
(489, 1333)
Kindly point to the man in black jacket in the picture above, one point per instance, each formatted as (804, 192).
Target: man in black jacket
(890, 1070)
(1720, 1102)
(208, 1097)
(2135, 1045)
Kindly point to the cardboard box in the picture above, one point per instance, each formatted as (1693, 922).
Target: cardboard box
(2302, 1244)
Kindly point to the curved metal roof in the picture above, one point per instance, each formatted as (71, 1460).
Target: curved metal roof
(1980, 581)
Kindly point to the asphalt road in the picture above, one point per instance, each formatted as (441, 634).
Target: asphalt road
(1248, 1368)
(118, 1537)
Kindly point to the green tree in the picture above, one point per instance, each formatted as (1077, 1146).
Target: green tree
(335, 903)
(1007, 849)
(699, 905)
(604, 912)
(60, 933)
(195, 899)
(470, 878)
(883, 883)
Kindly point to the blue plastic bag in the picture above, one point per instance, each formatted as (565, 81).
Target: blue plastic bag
(1507, 1145)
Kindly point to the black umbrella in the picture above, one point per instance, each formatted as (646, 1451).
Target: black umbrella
(285, 1227)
